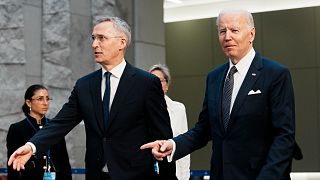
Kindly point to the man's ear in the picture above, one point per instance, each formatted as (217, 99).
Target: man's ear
(123, 43)
(252, 34)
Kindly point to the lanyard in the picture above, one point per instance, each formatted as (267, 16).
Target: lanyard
(36, 130)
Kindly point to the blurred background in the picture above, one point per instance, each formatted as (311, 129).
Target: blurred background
(48, 42)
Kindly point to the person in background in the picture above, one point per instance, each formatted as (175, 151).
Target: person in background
(35, 107)
(122, 107)
(178, 117)
(248, 111)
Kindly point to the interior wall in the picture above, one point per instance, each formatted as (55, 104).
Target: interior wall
(289, 36)
(189, 56)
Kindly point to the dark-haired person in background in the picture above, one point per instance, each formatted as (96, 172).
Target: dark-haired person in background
(35, 107)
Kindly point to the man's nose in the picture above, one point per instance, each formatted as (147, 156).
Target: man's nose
(228, 35)
(94, 43)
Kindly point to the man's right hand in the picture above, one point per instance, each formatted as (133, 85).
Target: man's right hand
(20, 157)
(160, 148)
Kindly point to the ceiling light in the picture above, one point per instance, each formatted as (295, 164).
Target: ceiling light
(175, 1)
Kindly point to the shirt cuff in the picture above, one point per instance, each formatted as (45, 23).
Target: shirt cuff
(170, 157)
(33, 147)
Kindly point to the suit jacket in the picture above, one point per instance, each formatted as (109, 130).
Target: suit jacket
(179, 125)
(138, 115)
(19, 133)
(259, 141)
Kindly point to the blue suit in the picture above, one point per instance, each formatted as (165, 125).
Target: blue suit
(259, 141)
(138, 115)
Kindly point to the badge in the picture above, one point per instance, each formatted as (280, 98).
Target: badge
(49, 175)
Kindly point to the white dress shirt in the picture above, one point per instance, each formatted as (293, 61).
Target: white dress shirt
(116, 74)
(242, 66)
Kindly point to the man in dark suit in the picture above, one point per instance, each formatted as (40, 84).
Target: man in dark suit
(248, 111)
(121, 111)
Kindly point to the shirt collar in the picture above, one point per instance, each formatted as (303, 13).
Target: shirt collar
(34, 121)
(244, 63)
(117, 70)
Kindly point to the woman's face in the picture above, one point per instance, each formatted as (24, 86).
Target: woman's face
(164, 82)
(39, 103)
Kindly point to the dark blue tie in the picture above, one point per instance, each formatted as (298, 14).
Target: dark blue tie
(106, 98)
(227, 94)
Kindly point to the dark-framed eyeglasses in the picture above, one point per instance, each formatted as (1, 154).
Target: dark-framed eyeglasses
(42, 99)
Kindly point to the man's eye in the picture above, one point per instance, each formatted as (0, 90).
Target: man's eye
(98, 37)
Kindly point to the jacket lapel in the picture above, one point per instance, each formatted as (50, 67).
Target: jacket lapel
(125, 84)
(250, 79)
(95, 89)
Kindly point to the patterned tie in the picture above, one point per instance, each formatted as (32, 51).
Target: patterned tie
(106, 98)
(227, 93)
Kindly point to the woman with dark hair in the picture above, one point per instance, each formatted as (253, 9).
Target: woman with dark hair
(56, 160)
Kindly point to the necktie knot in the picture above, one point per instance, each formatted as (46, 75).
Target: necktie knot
(232, 71)
(107, 74)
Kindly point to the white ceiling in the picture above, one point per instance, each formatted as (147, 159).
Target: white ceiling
(179, 3)
(183, 10)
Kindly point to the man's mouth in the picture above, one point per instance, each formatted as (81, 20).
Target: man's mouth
(228, 46)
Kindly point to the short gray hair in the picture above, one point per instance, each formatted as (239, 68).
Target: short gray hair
(164, 69)
(248, 15)
(120, 25)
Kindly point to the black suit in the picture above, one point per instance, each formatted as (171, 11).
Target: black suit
(138, 115)
(259, 141)
(19, 133)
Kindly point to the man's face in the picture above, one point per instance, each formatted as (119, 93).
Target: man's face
(235, 35)
(107, 44)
